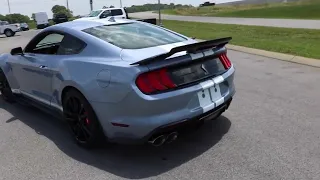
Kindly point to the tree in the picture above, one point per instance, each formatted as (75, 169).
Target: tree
(2, 18)
(33, 16)
(111, 6)
(57, 10)
(16, 18)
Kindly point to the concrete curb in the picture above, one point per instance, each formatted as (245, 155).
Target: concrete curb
(275, 55)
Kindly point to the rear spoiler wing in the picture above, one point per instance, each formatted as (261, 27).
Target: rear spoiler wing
(190, 48)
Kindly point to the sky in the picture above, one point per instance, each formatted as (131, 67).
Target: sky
(80, 7)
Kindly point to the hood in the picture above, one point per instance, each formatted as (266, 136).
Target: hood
(134, 55)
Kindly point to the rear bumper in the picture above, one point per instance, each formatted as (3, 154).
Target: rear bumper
(146, 116)
(177, 126)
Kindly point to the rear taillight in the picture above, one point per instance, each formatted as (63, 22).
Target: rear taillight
(225, 61)
(154, 81)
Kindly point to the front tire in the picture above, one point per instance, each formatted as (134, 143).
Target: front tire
(82, 120)
(9, 33)
(5, 89)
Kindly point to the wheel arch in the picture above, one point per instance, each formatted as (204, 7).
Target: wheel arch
(68, 88)
(7, 29)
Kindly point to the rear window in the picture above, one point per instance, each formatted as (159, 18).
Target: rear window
(116, 12)
(134, 35)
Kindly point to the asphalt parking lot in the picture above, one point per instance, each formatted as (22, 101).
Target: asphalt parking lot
(271, 131)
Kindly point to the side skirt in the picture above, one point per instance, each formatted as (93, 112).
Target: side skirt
(23, 99)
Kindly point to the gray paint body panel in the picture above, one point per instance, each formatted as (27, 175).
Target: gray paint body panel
(115, 98)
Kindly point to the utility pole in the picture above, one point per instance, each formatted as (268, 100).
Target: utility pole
(9, 6)
(68, 4)
(160, 21)
(91, 5)
(120, 3)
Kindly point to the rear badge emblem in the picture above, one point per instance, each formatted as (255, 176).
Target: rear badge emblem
(204, 69)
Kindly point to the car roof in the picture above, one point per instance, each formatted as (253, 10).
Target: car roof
(85, 24)
(106, 9)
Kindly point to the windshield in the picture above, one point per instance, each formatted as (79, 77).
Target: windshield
(94, 13)
(134, 35)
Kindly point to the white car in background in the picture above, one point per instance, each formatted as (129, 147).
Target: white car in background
(8, 29)
(104, 13)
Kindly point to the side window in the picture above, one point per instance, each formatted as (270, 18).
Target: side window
(116, 12)
(105, 14)
(71, 45)
(48, 45)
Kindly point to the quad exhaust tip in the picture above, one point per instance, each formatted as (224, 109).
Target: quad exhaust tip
(172, 137)
(161, 139)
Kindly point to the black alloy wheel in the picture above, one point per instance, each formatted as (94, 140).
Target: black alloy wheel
(82, 120)
(5, 89)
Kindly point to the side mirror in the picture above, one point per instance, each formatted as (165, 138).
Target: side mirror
(103, 16)
(16, 51)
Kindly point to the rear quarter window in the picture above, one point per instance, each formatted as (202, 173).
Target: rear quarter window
(71, 45)
(134, 35)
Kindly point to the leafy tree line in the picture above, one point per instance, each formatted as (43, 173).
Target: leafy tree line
(153, 7)
(15, 18)
(61, 10)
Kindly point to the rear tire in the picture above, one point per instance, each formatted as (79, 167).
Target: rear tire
(5, 89)
(9, 33)
(82, 120)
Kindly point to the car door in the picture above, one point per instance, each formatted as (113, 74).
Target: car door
(118, 13)
(32, 70)
(105, 14)
(69, 49)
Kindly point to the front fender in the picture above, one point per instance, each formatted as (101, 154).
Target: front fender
(7, 70)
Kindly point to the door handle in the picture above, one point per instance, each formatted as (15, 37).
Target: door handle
(43, 67)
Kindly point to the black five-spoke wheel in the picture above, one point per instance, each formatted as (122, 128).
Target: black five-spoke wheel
(5, 88)
(82, 120)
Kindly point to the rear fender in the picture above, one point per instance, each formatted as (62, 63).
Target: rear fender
(98, 81)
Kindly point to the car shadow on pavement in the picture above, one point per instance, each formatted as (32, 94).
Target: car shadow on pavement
(127, 161)
(3, 36)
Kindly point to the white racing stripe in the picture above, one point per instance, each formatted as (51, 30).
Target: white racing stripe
(207, 84)
(208, 107)
(208, 52)
(210, 96)
(218, 79)
(219, 101)
(196, 56)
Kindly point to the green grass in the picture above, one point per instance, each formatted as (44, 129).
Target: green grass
(32, 25)
(300, 42)
(296, 10)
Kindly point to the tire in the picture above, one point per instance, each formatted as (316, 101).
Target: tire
(5, 89)
(82, 121)
(9, 33)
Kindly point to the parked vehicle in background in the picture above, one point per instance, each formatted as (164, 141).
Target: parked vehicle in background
(42, 20)
(104, 13)
(8, 29)
(207, 4)
(18, 26)
(24, 26)
(60, 18)
(114, 12)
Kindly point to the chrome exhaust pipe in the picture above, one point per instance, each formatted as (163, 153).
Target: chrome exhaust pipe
(172, 137)
(158, 141)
